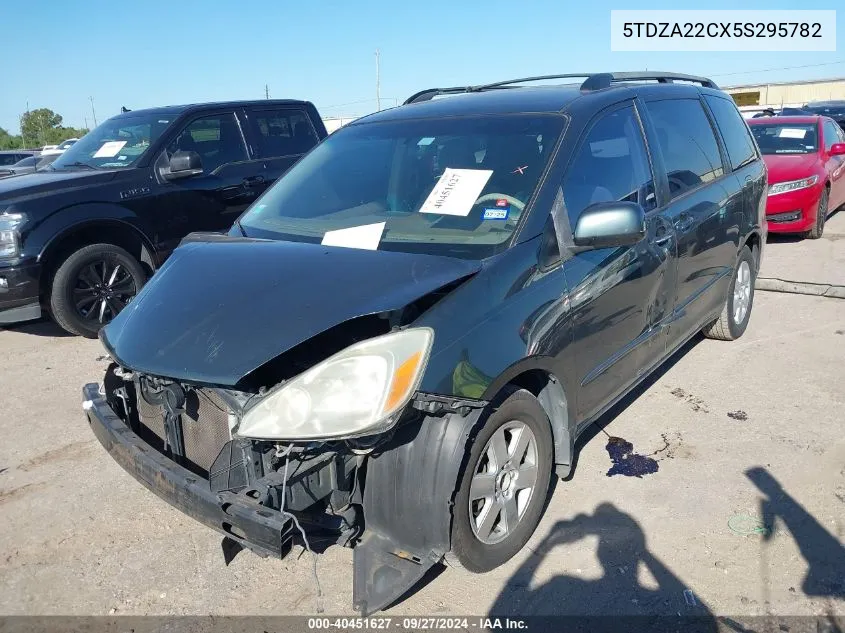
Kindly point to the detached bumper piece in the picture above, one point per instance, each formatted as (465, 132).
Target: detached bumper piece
(264, 530)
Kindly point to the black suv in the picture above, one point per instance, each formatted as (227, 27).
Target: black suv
(402, 339)
(81, 238)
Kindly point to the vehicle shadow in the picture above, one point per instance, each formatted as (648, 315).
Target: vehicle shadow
(823, 552)
(625, 559)
(42, 327)
(784, 238)
(611, 414)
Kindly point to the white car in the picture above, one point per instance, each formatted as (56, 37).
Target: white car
(58, 149)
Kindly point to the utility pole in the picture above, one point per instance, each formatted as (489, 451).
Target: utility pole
(266, 91)
(378, 80)
(86, 123)
(93, 112)
(23, 135)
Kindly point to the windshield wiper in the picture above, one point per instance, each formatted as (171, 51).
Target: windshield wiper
(79, 164)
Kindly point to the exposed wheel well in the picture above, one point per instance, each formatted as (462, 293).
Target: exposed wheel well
(551, 396)
(753, 242)
(72, 240)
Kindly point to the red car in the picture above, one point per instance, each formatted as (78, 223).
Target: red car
(805, 156)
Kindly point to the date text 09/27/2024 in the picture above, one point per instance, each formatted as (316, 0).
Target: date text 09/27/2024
(417, 623)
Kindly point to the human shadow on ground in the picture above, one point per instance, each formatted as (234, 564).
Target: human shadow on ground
(616, 599)
(823, 552)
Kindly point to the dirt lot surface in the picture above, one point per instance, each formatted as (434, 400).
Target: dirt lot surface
(745, 514)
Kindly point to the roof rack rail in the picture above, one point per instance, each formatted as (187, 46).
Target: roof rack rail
(593, 81)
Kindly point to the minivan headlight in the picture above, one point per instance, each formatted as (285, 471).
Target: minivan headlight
(358, 391)
(792, 185)
(9, 235)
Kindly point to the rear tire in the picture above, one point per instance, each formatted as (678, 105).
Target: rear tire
(92, 286)
(497, 509)
(736, 313)
(821, 217)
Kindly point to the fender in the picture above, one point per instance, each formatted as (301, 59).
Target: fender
(408, 498)
(537, 374)
(51, 230)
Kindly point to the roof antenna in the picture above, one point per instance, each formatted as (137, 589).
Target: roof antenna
(125, 109)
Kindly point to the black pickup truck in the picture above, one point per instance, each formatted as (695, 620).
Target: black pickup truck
(80, 239)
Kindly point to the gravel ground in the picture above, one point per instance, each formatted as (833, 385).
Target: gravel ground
(745, 514)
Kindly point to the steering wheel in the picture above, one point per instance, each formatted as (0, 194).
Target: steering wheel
(487, 197)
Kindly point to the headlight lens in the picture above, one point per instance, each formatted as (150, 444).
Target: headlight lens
(359, 391)
(9, 236)
(792, 185)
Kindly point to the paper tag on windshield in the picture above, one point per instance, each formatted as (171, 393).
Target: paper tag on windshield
(366, 237)
(109, 149)
(456, 191)
(792, 132)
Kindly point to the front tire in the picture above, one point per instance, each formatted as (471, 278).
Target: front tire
(504, 485)
(821, 217)
(92, 286)
(736, 313)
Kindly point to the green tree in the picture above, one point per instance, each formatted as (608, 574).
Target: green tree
(37, 125)
(44, 127)
(9, 141)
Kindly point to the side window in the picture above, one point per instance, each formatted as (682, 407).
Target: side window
(734, 131)
(216, 138)
(611, 164)
(686, 139)
(282, 132)
(831, 134)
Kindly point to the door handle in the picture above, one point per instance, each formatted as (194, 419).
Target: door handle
(662, 241)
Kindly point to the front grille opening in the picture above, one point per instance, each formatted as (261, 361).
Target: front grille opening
(205, 426)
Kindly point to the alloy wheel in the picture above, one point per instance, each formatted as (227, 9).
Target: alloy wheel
(102, 290)
(742, 292)
(503, 482)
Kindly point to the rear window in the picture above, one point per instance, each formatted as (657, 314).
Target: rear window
(282, 132)
(690, 152)
(734, 131)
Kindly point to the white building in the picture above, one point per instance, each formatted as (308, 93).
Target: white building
(753, 98)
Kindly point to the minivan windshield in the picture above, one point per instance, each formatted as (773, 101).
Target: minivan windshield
(455, 186)
(115, 144)
(786, 138)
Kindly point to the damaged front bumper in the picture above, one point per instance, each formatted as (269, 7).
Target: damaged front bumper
(266, 531)
(398, 519)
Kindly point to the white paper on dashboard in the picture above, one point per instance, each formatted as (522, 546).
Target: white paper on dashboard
(456, 191)
(792, 132)
(109, 149)
(366, 237)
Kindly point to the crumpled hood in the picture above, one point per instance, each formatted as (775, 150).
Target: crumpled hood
(49, 182)
(219, 309)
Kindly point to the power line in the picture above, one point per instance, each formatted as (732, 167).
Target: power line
(771, 70)
(342, 105)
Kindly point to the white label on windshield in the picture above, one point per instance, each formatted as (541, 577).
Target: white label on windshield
(366, 237)
(109, 149)
(456, 191)
(792, 132)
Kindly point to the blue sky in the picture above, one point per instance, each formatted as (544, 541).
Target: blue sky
(154, 52)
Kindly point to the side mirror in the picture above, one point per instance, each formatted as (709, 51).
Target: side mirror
(183, 165)
(837, 149)
(609, 224)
